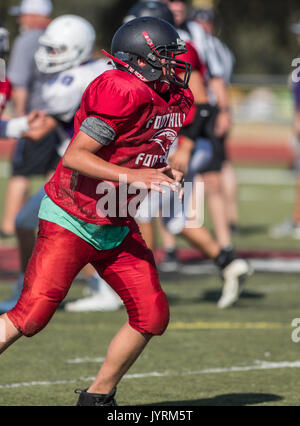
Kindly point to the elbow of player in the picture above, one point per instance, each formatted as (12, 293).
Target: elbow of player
(69, 160)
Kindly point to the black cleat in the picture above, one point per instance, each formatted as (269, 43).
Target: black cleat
(95, 399)
(170, 262)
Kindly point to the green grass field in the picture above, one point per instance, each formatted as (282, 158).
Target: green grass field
(252, 337)
(241, 356)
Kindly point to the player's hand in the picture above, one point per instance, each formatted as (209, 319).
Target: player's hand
(36, 119)
(179, 186)
(223, 124)
(178, 176)
(173, 173)
(153, 179)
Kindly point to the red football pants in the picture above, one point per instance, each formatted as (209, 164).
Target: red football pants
(59, 256)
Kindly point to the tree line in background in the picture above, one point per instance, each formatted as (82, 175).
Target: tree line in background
(257, 31)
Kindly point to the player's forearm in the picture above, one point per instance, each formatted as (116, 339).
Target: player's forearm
(223, 122)
(186, 145)
(20, 98)
(198, 88)
(220, 90)
(89, 164)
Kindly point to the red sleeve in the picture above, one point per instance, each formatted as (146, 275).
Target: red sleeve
(9, 89)
(5, 94)
(192, 57)
(113, 101)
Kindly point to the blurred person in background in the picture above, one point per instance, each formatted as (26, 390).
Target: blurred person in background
(189, 157)
(64, 53)
(207, 17)
(291, 227)
(206, 47)
(30, 159)
(13, 128)
(158, 9)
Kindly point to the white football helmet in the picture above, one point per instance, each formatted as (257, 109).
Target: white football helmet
(67, 42)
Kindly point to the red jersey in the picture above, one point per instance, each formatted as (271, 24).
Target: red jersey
(192, 57)
(5, 94)
(145, 124)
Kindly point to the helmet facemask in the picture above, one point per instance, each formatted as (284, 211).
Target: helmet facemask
(53, 58)
(172, 65)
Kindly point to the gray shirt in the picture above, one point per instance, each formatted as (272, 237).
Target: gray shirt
(22, 70)
(98, 130)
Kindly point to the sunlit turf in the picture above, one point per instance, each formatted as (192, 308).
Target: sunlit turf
(200, 337)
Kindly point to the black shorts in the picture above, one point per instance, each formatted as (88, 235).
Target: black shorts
(215, 165)
(36, 158)
(223, 149)
(203, 127)
(219, 156)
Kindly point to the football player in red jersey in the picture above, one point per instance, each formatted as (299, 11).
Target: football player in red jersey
(123, 131)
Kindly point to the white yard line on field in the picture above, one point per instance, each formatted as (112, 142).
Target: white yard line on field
(288, 266)
(258, 365)
(85, 361)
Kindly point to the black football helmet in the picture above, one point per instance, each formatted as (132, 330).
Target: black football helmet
(152, 8)
(153, 40)
(4, 40)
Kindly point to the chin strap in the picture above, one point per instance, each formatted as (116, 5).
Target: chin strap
(127, 66)
(162, 86)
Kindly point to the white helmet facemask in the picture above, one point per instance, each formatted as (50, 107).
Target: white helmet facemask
(68, 42)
